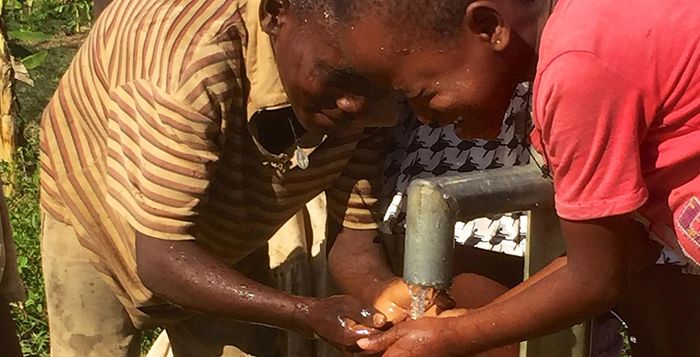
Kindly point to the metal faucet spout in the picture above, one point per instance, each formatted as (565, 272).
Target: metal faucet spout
(434, 206)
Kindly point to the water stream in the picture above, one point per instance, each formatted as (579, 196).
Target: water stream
(420, 298)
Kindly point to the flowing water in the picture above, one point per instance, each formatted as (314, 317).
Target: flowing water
(420, 297)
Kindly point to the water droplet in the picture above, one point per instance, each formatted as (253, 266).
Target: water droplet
(365, 313)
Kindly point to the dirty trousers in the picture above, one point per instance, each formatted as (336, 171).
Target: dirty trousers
(87, 319)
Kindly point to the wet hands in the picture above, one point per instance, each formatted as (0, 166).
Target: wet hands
(342, 320)
(429, 336)
(425, 336)
(393, 299)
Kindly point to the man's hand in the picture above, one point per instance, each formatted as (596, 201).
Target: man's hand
(342, 320)
(434, 337)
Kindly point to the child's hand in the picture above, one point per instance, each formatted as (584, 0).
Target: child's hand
(441, 312)
(393, 299)
(452, 313)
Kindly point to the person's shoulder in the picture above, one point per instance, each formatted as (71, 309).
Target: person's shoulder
(622, 33)
(166, 33)
(575, 26)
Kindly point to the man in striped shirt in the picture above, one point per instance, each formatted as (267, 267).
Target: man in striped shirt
(169, 155)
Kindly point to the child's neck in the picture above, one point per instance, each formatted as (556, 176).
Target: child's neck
(547, 6)
(529, 25)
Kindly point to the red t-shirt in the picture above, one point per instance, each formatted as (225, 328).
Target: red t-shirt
(617, 112)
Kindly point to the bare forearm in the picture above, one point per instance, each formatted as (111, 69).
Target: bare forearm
(546, 271)
(187, 276)
(358, 261)
(602, 256)
(549, 305)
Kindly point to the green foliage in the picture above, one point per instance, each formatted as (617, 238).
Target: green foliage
(23, 35)
(32, 100)
(26, 222)
(49, 16)
(35, 60)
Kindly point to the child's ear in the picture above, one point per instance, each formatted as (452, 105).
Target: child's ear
(484, 20)
(271, 11)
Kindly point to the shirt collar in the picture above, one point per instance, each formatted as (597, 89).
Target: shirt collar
(266, 91)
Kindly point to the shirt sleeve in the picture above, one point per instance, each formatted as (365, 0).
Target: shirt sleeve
(353, 199)
(160, 158)
(590, 123)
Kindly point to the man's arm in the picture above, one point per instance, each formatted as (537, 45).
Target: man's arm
(357, 262)
(360, 267)
(184, 274)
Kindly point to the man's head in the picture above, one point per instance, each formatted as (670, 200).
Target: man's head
(451, 58)
(325, 94)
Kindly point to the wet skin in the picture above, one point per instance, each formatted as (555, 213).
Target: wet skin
(325, 99)
(472, 75)
(326, 95)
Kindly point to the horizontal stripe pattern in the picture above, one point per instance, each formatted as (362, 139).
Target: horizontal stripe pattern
(147, 132)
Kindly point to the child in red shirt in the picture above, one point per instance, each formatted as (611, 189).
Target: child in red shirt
(617, 114)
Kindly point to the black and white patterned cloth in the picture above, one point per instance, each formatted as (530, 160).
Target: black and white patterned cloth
(422, 151)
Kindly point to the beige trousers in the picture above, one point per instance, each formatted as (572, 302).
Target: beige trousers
(87, 319)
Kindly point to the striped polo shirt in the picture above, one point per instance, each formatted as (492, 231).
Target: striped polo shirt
(148, 131)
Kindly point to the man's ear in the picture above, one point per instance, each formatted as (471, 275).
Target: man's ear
(484, 20)
(271, 12)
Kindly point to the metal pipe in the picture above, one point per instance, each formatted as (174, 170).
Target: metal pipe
(434, 205)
